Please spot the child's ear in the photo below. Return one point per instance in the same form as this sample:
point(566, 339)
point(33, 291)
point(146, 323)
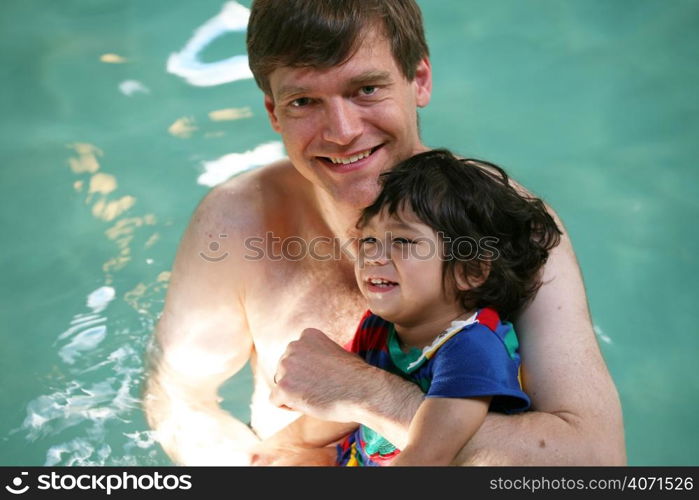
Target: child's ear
point(465, 280)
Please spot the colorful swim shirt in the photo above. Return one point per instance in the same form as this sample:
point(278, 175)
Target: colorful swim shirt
point(472, 358)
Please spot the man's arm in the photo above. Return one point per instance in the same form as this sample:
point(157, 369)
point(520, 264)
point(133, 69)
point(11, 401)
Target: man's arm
point(577, 417)
point(306, 441)
point(201, 340)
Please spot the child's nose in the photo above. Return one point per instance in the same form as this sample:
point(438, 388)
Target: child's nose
point(377, 254)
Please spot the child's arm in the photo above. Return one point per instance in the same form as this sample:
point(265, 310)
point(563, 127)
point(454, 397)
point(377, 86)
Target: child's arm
point(440, 429)
point(303, 442)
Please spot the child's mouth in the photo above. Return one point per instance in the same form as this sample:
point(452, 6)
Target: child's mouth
point(380, 285)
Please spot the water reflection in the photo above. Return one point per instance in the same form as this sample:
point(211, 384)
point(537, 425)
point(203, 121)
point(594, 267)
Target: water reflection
point(101, 184)
point(186, 63)
point(220, 170)
point(112, 59)
point(88, 404)
point(86, 159)
point(97, 387)
point(89, 411)
point(183, 127)
point(145, 295)
point(230, 114)
point(131, 87)
point(186, 126)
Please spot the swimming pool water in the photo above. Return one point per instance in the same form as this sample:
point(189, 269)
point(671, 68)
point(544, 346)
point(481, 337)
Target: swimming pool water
point(118, 116)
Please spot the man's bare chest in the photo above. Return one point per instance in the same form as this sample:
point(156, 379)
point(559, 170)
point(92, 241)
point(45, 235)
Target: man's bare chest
point(286, 298)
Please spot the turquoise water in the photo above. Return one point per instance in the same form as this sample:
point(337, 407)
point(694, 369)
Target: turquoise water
point(105, 153)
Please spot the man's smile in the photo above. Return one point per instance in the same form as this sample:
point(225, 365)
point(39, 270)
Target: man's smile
point(348, 162)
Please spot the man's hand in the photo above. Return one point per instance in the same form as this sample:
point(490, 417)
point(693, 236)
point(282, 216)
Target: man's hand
point(319, 378)
point(306, 441)
point(316, 376)
point(266, 455)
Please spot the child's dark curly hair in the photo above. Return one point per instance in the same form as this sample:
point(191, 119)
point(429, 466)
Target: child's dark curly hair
point(461, 198)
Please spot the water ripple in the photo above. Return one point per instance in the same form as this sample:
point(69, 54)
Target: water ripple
point(98, 394)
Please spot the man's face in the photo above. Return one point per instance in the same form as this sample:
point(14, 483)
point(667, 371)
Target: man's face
point(345, 125)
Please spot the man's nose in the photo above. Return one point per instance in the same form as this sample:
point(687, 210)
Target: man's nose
point(343, 122)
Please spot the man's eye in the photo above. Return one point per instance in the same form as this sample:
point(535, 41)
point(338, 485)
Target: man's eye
point(368, 90)
point(300, 102)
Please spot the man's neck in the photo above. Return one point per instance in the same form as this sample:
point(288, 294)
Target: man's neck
point(340, 219)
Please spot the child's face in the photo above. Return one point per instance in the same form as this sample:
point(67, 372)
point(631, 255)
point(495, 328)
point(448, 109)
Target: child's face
point(399, 270)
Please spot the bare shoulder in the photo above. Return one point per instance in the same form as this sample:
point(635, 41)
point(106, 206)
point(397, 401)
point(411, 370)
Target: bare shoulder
point(209, 273)
point(243, 205)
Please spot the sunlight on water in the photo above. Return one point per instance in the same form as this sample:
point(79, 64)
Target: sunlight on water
point(183, 127)
point(86, 160)
point(97, 389)
point(89, 406)
point(113, 59)
point(132, 87)
point(101, 388)
point(186, 63)
point(602, 336)
point(84, 341)
point(230, 114)
point(218, 171)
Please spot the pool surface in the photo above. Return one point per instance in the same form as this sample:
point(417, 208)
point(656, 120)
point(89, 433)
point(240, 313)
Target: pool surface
point(119, 115)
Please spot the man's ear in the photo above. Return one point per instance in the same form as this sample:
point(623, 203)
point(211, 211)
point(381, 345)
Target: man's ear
point(423, 82)
point(465, 282)
point(271, 113)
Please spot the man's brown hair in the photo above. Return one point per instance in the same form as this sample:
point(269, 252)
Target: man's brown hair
point(325, 33)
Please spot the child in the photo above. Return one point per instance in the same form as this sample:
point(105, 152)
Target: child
point(448, 251)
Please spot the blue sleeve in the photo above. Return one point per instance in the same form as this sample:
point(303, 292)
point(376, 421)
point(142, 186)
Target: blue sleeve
point(475, 363)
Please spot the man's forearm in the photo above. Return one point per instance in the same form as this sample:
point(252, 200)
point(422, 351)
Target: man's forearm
point(531, 438)
point(537, 438)
point(195, 430)
point(581, 423)
point(388, 404)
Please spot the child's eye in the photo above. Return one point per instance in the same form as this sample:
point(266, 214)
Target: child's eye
point(368, 239)
point(402, 241)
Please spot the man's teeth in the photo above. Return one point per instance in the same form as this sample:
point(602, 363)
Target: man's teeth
point(351, 159)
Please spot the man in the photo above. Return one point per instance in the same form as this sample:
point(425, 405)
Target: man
point(342, 84)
